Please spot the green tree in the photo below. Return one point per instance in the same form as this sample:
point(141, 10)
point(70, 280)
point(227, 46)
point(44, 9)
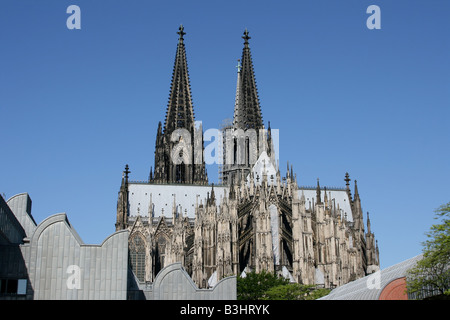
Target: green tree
point(431, 275)
point(291, 291)
point(294, 291)
point(254, 285)
point(318, 293)
point(268, 286)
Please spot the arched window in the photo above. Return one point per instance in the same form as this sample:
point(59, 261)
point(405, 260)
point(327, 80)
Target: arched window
point(247, 151)
point(137, 256)
point(235, 151)
point(160, 253)
point(180, 172)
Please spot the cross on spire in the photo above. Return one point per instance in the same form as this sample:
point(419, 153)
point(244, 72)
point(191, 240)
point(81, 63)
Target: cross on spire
point(246, 37)
point(127, 171)
point(181, 32)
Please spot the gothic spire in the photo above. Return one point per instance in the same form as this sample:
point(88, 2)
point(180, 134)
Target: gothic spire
point(122, 202)
point(318, 200)
point(126, 172)
point(238, 101)
point(180, 115)
point(180, 110)
point(347, 181)
point(212, 199)
point(247, 111)
point(347, 186)
point(356, 190)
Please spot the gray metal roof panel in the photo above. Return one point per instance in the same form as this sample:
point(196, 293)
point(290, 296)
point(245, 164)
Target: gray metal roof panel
point(371, 286)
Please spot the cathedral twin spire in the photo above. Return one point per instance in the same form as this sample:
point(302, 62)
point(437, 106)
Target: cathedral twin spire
point(180, 115)
point(247, 111)
point(175, 157)
point(180, 110)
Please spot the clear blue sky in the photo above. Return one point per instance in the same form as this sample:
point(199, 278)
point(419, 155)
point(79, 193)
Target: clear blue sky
point(77, 105)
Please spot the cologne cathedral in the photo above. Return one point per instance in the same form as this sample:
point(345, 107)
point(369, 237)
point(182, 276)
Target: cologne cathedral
point(255, 219)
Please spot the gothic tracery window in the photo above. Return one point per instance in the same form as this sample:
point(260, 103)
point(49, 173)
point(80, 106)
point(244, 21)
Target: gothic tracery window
point(137, 256)
point(160, 253)
point(180, 171)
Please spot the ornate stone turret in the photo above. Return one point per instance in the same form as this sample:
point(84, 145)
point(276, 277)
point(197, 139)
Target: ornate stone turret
point(122, 202)
point(318, 197)
point(372, 254)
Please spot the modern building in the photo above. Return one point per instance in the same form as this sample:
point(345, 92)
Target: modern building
point(49, 261)
point(14, 279)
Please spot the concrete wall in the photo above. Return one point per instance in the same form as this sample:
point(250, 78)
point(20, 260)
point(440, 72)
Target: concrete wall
point(20, 204)
point(11, 231)
point(60, 266)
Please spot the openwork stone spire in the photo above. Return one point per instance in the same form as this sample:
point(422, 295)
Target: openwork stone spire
point(176, 158)
point(246, 139)
point(247, 111)
point(180, 110)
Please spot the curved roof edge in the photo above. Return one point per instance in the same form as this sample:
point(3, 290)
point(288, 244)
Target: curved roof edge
point(371, 286)
point(62, 217)
point(58, 217)
point(16, 195)
point(108, 238)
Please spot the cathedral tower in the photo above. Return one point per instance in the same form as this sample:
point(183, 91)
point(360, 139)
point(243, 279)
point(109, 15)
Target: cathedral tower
point(246, 138)
point(179, 145)
point(247, 111)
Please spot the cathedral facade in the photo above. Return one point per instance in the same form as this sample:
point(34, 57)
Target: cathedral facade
point(256, 219)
